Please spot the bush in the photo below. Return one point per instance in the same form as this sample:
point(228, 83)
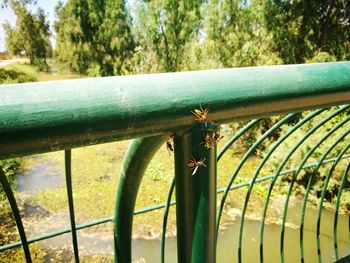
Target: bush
point(11, 76)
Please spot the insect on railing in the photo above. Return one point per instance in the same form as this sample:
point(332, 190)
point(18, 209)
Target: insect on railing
point(184, 111)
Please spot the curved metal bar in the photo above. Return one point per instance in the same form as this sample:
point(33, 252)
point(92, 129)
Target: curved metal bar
point(243, 160)
point(165, 220)
point(335, 226)
point(235, 137)
point(279, 170)
point(15, 211)
point(257, 171)
point(271, 176)
point(261, 164)
point(135, 162)
point(295, 176)
point(68, 168)
point(308, 188)
point(319, 213)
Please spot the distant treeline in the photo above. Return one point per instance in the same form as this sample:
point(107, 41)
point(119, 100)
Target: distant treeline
point(116, 37)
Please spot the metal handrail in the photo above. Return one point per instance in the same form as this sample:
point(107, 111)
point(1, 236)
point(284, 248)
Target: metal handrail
point(57, 115)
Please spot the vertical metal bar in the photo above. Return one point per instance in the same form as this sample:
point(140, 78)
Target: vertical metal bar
point(195, 196)
point(15, 211)
point(165, 221)
point(68, 167)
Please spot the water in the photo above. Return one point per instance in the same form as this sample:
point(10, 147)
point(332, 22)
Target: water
point(39, 177)
point(148, 249)
point(227, 242)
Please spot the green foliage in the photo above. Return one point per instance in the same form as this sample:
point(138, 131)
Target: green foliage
point(16, 255)
point(310, 177)
point(236, 34)
point(30, 36)
point(19, 73)
point(11, 76)
point(5, 3)
point(10, 166)
point(94, 37)
point(321, 57)
point(302, 28)
point(168, 35)
point(165, 28)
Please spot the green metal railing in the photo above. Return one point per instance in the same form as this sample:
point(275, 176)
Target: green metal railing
point(63, 115)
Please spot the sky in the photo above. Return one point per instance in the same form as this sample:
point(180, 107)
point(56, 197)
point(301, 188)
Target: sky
point(7, 14)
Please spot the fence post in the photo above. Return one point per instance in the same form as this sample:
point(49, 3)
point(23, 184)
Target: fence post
point(195, 195)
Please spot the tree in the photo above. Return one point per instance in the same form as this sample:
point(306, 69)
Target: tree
point(236, 34)
point(303, 28)
point(165, 28)
point(94, 36)
point(30, 35)
point(5, 3)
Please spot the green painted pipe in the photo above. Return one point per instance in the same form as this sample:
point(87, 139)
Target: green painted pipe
point(69, 188)
point(56, 115)
point(138, 156)
point(195, 196)
point(165, 221)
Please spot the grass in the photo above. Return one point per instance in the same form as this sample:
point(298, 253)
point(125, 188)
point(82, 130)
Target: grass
point(47, 76)
point(23, 72)
point(95, 175)
point(17, 73)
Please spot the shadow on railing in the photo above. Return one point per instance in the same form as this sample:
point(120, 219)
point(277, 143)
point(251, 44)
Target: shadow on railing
point(301, 157)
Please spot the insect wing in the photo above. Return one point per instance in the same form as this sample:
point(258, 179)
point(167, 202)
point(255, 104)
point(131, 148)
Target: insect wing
point(195, 170)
